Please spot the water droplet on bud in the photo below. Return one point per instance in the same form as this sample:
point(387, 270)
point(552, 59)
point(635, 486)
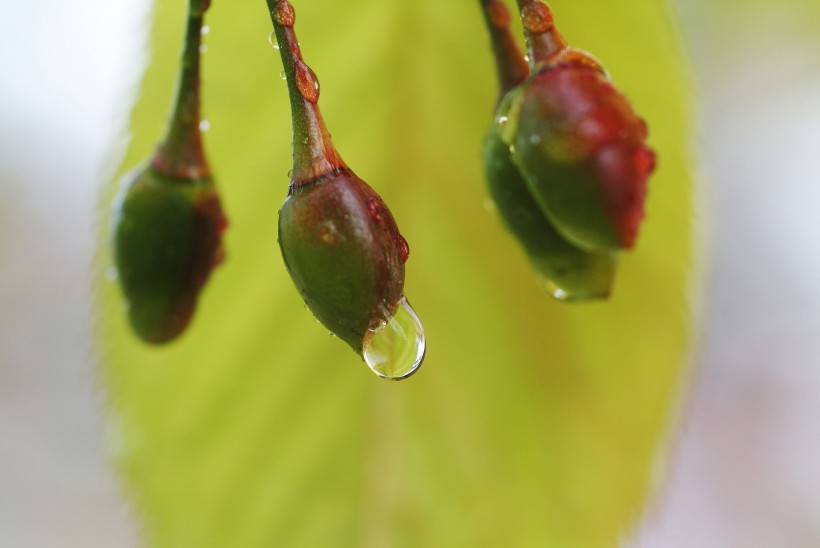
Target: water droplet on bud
point(306, 82)
point(396, 350)
point(404, 247)
point(537, 17)
point(284, 14)
point(644, 161)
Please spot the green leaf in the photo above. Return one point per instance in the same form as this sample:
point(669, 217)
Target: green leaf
point(531, 422)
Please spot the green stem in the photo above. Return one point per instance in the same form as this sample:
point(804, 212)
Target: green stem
point(314, 155)
point(510, 63)
point(543, 39)
point(181, 153)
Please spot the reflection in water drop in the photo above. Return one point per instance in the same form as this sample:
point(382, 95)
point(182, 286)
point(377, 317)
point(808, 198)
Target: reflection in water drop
point(272, 39)
point(395, 351)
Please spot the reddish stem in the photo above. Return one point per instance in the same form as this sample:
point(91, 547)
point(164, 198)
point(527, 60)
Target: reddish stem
point(181, 153)
point(509, 61)
point(314, 155)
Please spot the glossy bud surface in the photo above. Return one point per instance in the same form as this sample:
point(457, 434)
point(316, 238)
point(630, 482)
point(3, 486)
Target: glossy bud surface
point(583, 153)
point(344, 252)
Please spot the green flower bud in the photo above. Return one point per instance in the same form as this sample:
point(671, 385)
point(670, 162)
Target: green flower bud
point(568, 272)
point(344, 253)
point(167, 240)
point(582, 150)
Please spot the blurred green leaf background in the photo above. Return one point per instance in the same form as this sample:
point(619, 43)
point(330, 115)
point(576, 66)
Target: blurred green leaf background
point(531, 422)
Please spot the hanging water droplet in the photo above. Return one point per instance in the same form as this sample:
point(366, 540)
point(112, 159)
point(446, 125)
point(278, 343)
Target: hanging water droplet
point(205, 30)
point(282, 75)
point(272, 40)
point(553, 289)
point(307, 82)
point(284, 14)
point(111, 273)
point(204, 125)
point(203, 48)
point(396, 350)
point(503, 120)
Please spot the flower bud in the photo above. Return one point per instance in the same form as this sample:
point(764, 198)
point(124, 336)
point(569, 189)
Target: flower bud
point(583, 153)
point(344, 252)
point(568, 273)
point(167, 239)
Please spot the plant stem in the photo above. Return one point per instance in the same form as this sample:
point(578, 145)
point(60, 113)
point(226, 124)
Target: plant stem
point(314, 155)
point(543, 39)
point(181, 153)
point(509, 61)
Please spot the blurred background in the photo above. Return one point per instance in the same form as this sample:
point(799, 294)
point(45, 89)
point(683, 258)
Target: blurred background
point(103, 443)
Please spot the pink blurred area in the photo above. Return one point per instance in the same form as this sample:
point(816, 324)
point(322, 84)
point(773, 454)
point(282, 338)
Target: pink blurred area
point(742, 469)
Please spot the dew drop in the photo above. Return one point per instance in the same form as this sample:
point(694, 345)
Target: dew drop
point(537, 17)
point(203, 48)
point(272, 40)
point(282, 75)
point(374, 209)
point(535, 139)
point(284, 14)
point(396, 350)
point(503, 120)
point(204, 125)
point(645, 161)
point(205, 30)
point(306, 82)
point(111, 273)
point(404, 247)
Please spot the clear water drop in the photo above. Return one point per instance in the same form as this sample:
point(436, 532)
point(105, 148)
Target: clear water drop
point(203, 48)
point(306, 82)
point(111, 273)
point(395, 351)
point(204, 125)
point(272, 40)
point(503, 120)
point(282, 75)
point(205, 30)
